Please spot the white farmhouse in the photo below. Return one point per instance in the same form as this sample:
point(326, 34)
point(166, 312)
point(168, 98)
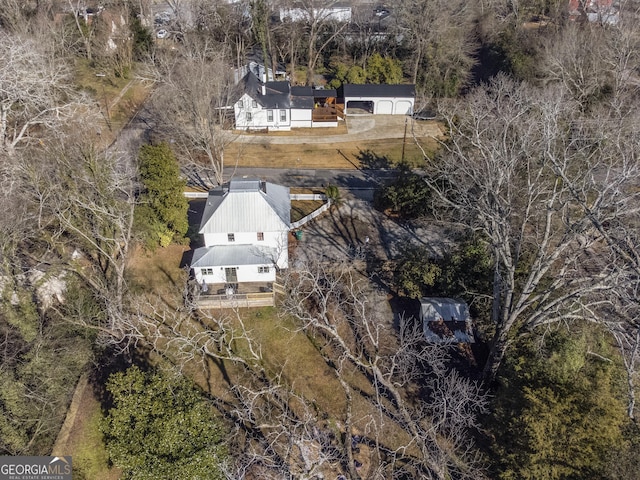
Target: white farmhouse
point(280, 106)
point(245, 228)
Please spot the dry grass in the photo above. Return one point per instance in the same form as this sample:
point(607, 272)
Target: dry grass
point(119, 98)
point(347, 155)
point(159, 271)
point(85, 442)
point(302, 208)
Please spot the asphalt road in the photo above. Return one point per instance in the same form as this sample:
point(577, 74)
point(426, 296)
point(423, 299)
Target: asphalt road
point(350, 179)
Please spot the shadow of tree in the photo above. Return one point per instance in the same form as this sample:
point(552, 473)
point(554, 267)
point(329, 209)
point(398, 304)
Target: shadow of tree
point(372, 161)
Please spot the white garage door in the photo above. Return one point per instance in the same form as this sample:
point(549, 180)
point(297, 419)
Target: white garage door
point(403, 107)
point(384, 107)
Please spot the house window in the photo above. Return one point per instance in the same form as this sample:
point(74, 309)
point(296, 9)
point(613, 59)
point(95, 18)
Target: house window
point(254, 104)
point(283, 115)
point(207, 271)
point(248, 116)
point(269, 115)
point(263, 269)
point(231, 237)
point(240, 105)
point(260, 236)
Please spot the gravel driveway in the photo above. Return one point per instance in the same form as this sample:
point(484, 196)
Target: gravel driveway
point(341, 234)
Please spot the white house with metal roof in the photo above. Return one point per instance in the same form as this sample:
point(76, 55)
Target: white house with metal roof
point(245, 228)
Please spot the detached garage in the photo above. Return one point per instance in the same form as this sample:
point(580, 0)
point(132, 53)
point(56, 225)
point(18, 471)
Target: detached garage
point(378, 99)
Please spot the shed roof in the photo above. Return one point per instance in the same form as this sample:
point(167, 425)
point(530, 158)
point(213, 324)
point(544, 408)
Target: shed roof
point(446, 320)
point(247, 205)
point(376, 91)
point(447, 309)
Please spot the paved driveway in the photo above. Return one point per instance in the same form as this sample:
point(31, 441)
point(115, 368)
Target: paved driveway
point(359, 127)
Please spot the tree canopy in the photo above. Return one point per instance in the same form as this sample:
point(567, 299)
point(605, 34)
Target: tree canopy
point(161, 214)
point(161, 427)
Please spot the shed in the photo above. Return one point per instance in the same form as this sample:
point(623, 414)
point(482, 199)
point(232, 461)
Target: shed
point(446, 320)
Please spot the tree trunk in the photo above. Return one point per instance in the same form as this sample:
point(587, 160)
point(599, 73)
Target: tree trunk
point(496, 354)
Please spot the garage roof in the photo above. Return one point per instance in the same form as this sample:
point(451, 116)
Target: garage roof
point(377, 91)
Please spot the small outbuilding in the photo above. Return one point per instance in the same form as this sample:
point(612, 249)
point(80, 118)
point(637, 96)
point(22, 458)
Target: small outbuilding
point(446, 320)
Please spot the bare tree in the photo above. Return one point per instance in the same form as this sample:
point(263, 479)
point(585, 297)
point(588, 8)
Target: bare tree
point(35, 94)
point(194, 100)
point(320, 27)
point(440, 35)
point(337, 306)
point(539, 179)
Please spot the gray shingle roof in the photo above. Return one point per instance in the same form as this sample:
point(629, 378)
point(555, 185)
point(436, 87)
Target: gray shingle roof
point(276, 93)
point(351, 90)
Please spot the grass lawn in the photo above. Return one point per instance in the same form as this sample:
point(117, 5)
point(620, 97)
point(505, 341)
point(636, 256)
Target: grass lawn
point(348, 155)
point(302, 208)
point(158, 271)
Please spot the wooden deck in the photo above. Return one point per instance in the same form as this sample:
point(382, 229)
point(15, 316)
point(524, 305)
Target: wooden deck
point(328, 113)
point(242, 295)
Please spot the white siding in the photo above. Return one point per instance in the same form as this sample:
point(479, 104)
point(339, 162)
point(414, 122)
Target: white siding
point(335, 13)
point(277, 240)
point(383, 107)
point(301, 118)
point(403, 107)
point(386, 105)
point(244, 273)
point(259, 116)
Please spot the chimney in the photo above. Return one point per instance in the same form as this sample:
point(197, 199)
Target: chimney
point(264, 89)
point(263, 186)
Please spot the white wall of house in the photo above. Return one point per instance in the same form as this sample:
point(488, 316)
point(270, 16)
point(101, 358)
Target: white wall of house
point(244, 273)
point(386, 105)
point(250, 114)
point(335, 13)
point(301, 117)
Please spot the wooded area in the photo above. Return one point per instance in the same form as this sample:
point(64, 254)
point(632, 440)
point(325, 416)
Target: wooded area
point(536, 180)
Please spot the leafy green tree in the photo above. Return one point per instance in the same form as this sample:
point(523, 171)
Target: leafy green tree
point(161, 427)
point(343, 73)
point(559, 412)
point(161, 215)
point(416, 273)
point(383, 70)
point(467, 273)
point(41, 358)
point(408, 196)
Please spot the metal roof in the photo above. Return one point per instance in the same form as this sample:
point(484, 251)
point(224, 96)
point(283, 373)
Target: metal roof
point(447, 309)
point(247, 205)
point(371, 90)
point(233, 255)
